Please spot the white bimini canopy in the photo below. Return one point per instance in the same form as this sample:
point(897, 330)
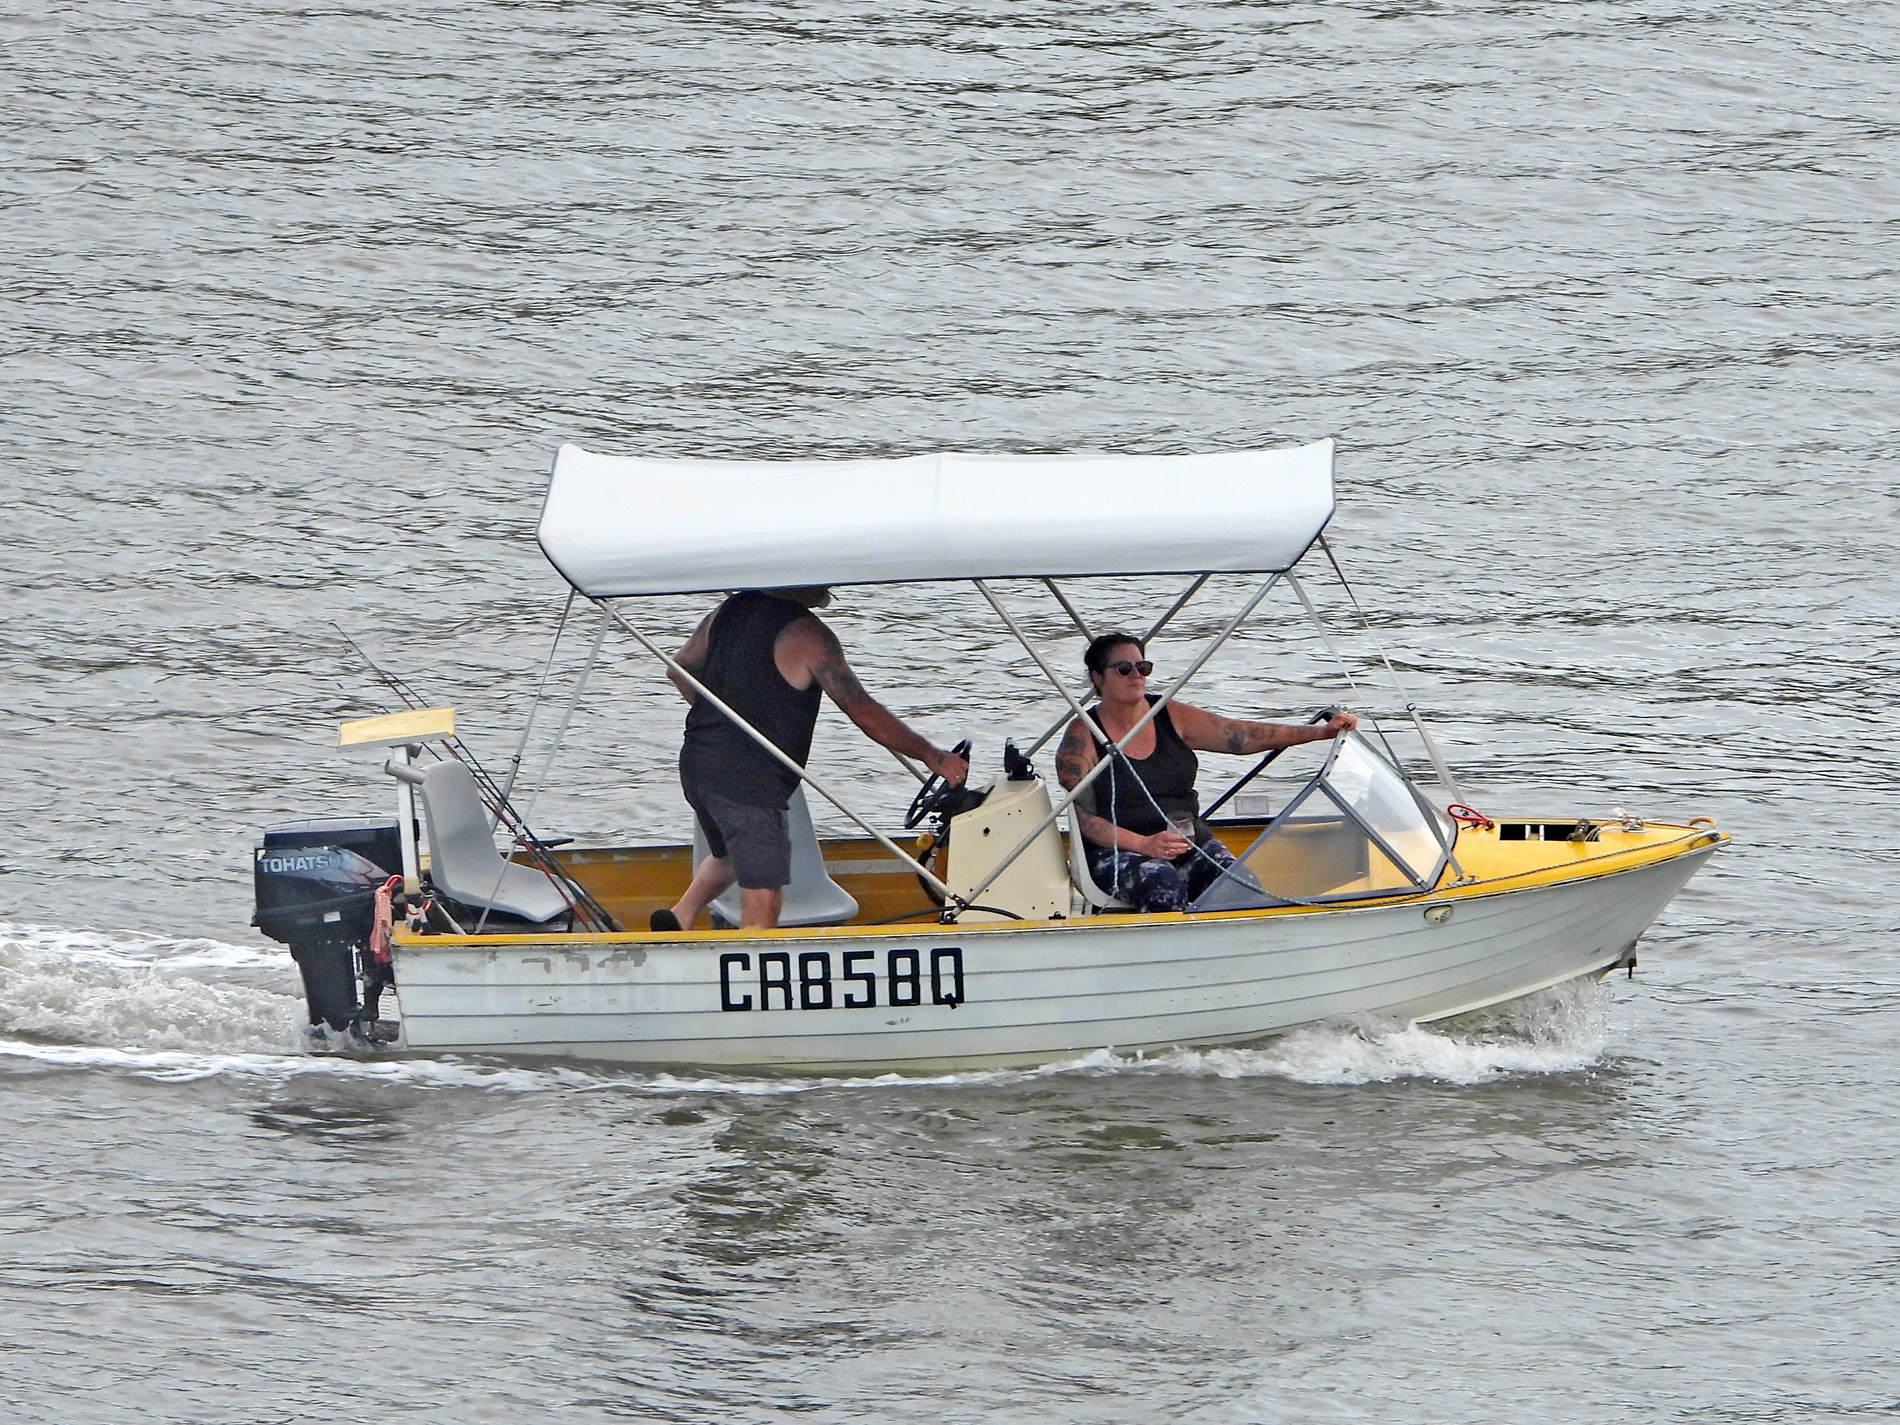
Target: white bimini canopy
point(617, 526)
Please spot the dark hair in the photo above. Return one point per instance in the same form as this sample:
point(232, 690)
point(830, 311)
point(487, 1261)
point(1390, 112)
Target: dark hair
point(1096, 659)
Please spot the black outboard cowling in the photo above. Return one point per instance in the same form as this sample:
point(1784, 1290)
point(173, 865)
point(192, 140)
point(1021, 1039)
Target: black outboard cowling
point(316, 885)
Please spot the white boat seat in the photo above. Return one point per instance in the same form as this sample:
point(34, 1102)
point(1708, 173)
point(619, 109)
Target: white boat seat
point(812, 898)
point(1093, 896)
point(463, 861)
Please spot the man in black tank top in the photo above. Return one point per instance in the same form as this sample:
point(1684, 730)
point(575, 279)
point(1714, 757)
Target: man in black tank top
point(766, 656)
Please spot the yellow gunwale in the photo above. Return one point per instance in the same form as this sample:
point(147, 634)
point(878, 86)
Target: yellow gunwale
point(1582, 867)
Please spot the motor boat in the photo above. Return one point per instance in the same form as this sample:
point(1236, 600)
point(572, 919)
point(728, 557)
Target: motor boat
point(975, 935)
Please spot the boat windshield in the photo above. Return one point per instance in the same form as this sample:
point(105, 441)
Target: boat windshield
point(1357, 829)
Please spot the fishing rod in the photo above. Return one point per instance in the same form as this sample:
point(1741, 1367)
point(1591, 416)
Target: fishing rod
point(494, 798)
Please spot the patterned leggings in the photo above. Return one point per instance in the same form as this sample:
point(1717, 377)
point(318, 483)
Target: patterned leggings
point(1151, 884)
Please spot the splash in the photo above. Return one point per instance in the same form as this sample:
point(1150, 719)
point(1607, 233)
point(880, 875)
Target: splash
point(136, 948)
point(142, 992)
point(1559, 1031)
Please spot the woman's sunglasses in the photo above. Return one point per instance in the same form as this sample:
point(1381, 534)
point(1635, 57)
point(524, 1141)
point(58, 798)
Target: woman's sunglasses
point(1144, 667)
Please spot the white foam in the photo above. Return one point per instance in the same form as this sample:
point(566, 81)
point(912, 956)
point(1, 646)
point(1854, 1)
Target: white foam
point(182, 1066)
point(80, 988)
point(1559, 1031)
point(134, 947)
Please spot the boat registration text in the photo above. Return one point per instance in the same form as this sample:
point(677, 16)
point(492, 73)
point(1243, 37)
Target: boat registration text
point(853, 979)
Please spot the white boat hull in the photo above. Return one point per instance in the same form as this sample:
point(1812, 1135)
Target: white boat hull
point(1022, 994)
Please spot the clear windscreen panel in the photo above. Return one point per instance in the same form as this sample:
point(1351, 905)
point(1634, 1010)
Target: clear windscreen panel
point(1355, 830)
point(1375, 792)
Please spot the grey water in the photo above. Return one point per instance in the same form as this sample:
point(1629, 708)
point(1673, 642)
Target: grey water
point(1598, 299)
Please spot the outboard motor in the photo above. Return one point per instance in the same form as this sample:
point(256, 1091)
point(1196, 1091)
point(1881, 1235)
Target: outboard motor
point(316, 892)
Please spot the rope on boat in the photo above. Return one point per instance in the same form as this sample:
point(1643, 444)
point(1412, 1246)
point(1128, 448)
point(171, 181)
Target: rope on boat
point(1221, 871)
point(1431, 747)
point(571, 890)
point(567, 714)
point(540, 692)
point(1345, 669)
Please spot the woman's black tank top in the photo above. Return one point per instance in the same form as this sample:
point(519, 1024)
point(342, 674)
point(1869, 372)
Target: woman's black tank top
point(717, 756)
point(1167, 773)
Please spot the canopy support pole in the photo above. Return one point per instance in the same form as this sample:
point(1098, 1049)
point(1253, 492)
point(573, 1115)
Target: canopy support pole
point(773, 750)
point(1047, 672)
point(1149, 637)
point(567, 714)
point(1179, 604)
point(1067, 607)
point(1345, 670)
point(1116, 748)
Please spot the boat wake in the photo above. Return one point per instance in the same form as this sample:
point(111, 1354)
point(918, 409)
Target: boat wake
point(175, 1009)
point(74, 988)
point(1559, 1031)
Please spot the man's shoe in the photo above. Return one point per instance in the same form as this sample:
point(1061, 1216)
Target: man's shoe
point(663, 920)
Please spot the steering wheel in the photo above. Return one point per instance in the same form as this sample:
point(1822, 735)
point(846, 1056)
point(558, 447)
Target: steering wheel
point(935, 792)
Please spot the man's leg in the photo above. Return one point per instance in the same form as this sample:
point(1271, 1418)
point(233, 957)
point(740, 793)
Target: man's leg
point(710, 877)
point(761, 859)
point(761, 907)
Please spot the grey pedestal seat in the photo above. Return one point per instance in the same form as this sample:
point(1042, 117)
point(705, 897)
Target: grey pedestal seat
point(463, 861)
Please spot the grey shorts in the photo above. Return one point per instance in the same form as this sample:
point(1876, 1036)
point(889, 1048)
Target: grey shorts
point(754, 837)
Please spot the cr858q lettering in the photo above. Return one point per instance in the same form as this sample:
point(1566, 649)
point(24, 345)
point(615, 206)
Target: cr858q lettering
point(848, 979)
